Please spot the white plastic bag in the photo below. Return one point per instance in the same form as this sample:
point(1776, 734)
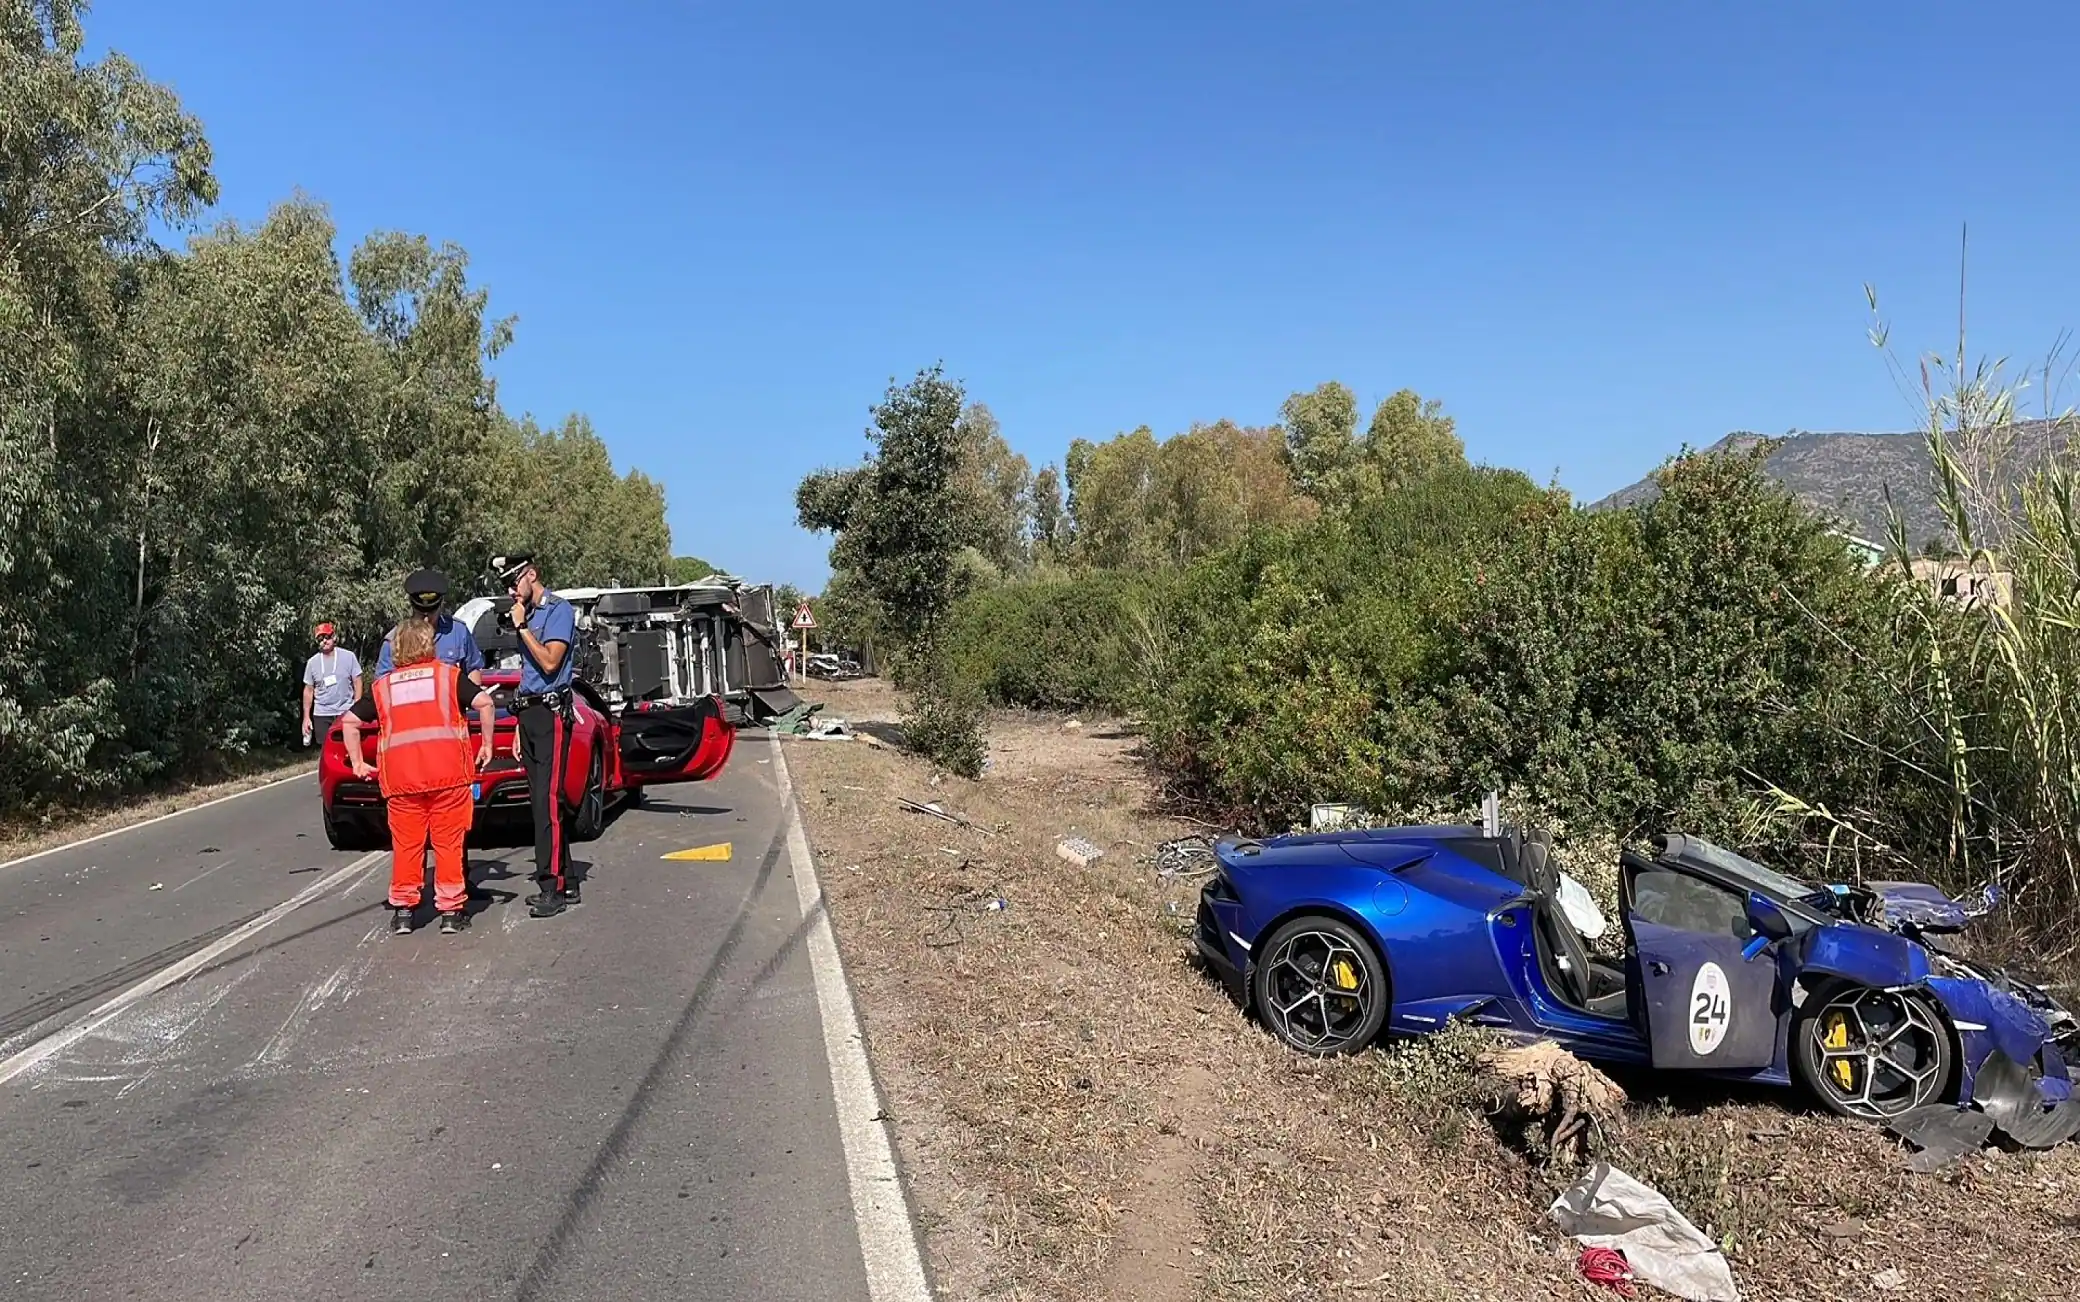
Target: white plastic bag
point(1607, 1208)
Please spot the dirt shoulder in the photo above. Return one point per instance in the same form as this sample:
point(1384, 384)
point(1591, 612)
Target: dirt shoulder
point(28, 835)
point(1083, 1114)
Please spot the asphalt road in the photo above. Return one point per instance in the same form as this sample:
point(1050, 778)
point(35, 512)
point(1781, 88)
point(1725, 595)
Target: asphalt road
point(630, 1101)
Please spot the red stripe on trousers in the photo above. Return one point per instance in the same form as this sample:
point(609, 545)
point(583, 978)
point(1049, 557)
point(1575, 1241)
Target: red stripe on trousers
point(556, 805)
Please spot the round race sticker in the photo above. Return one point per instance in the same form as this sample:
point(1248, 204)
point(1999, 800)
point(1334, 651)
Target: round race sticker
point(1710, 1009)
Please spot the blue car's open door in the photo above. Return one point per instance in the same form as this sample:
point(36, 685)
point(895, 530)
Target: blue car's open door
point(1704, 1003)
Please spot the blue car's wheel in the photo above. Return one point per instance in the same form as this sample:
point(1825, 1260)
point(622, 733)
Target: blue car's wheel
point(1872, 1054)
point(1320, 986)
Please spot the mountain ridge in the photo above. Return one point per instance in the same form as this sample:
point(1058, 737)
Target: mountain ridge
point(1845, 475)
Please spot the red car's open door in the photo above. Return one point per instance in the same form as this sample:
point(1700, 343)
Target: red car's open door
point(681, 743)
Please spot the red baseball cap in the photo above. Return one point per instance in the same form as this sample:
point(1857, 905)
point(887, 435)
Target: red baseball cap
point(324, 630)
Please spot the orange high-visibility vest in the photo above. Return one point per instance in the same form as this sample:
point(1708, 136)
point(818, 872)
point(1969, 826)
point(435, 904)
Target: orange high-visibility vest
point(423, 744)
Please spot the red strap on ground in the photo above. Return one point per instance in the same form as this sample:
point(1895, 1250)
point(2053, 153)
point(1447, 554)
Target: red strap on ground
point(1606, 1266)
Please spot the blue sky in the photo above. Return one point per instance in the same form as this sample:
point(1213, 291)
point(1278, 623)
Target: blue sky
point(1595, 231)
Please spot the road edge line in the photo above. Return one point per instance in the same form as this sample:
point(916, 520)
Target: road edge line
point(156, 818)
point(888, 1239)
point(59, 1040)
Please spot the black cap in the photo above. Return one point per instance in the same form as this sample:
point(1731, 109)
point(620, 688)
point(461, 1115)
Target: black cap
point(426, 589)
point(510, 567)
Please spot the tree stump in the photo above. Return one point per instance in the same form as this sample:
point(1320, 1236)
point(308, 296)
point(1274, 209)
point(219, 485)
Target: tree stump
point(1548, 1094)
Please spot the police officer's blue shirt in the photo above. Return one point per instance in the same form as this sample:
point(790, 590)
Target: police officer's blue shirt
point(553, 621)
point(452, 644)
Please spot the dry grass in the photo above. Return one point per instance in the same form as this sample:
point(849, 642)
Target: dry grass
point(1084, 1115)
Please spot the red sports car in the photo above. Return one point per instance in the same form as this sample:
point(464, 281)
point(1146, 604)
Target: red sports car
point(611, 756)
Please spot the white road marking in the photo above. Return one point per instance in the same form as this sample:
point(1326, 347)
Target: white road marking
point(166, 976)
point(132, 827)
point(148, 1037)
point(355, 885)
point(887, 1236)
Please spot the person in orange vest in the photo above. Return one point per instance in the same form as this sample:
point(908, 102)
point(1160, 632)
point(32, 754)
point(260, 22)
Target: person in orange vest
point(424, 768)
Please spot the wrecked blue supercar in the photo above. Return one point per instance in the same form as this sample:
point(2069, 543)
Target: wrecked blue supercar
point(1730, 969)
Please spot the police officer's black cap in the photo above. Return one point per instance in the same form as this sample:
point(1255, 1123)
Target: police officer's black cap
point(511, 566)
point(426, 589)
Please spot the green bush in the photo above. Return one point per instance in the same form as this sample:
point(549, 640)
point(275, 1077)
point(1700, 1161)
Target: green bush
point(1618, 671)
point(944, 723)
point(1307, 659)
point(1064, 641)
point(1630, 671)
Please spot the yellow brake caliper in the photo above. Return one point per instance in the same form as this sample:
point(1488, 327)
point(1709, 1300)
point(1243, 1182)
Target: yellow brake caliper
point(1344, 975)
point(1837, 1037)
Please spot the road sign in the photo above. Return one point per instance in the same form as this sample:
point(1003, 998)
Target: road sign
point(802, 617)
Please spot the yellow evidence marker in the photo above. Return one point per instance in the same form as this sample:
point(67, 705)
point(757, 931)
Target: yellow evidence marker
point(717, 853)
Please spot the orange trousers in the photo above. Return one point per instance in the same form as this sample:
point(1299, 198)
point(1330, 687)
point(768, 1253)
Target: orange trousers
point(444, 817)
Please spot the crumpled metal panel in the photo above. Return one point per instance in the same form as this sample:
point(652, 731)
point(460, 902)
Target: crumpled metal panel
point(1942, 1133)
point(2008, 1094)
point(1988, 1021)
point(1869, 958)
point(1917, 905)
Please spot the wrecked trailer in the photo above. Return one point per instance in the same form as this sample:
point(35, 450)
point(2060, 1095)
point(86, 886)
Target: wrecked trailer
point(666, 645)
point(1729, 969)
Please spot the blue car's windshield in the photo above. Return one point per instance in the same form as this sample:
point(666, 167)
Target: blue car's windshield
point(1769, 880)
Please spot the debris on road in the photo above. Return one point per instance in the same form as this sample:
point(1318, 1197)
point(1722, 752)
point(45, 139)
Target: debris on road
point(1334, 818)
point(1543, 1085)
point(1607, 1208)
point(2005, 1099)
point(717, 853)
point(795, 721)
point(1078, 851)
point(157, 886)
point(1940, 1135)
point(936, 810)
point(827, 730)
point(2006, 1091)
point(1185, 858)
point(1607, 1268)
point(948, 931)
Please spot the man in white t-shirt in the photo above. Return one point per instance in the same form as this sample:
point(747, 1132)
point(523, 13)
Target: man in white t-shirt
point(331, 685)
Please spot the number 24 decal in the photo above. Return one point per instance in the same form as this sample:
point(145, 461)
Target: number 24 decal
point(1710, 1009)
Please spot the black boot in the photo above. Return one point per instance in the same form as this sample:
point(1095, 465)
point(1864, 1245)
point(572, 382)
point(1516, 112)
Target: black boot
point(454, 922)
point(547, 904)
point(401, 921)
point(570, 895)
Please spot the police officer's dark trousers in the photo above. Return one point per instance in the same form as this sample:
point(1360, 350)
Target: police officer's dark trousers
point(545, 749)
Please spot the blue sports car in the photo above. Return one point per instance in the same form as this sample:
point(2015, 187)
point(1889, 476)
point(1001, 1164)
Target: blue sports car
point(1730, 968)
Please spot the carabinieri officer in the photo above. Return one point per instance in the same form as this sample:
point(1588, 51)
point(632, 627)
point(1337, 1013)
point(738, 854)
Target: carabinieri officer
point(453, 643)
point(546, 626)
